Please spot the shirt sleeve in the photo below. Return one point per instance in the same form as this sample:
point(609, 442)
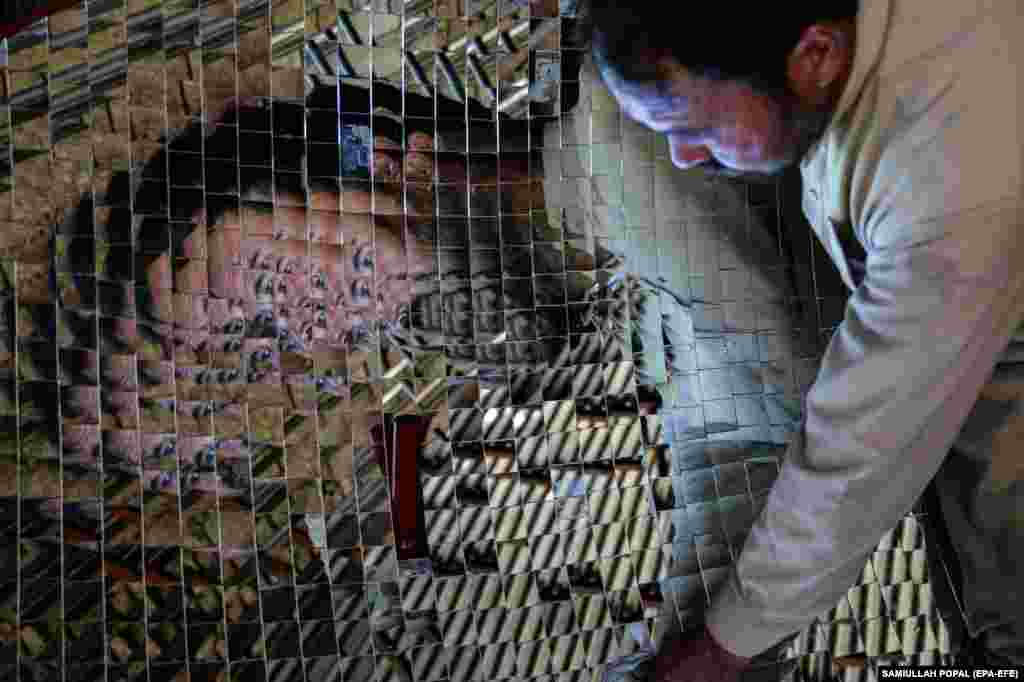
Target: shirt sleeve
point(920, 338)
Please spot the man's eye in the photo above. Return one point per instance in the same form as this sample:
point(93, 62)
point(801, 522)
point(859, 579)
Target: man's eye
point(291, 343)
point(207, 456)
point(260, 260)
point(235, 326)
point(165, 449)
point(150, 375)
point(264, 284)
point(163, 482)
point(362, 260)
point(360, 292)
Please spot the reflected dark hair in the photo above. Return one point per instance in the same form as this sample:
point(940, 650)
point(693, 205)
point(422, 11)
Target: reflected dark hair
point(721, 41)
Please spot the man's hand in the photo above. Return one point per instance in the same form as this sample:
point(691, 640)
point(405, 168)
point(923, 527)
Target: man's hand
point(698, 658)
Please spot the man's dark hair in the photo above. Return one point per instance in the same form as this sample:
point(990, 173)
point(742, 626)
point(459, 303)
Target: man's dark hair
point(722, 41)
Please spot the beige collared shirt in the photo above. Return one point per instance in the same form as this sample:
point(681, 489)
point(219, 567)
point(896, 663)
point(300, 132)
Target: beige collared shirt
point(922, 167)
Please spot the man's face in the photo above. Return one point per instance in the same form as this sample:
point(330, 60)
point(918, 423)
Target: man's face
point(729, 128)
point(725, 128)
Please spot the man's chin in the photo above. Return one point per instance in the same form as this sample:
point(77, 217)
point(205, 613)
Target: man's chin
point(767, 172)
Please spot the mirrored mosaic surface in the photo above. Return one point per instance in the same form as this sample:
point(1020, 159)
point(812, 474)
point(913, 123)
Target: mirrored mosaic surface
point(254, 254)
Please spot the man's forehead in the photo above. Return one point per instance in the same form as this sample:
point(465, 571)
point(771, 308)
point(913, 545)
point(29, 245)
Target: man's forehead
point(646, 103)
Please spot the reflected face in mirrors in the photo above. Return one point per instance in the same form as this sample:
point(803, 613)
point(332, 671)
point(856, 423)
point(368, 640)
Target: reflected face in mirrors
point(254, 294)
point(306, 273)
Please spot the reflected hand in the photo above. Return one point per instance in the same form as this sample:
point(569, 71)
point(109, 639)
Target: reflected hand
point(698, 658)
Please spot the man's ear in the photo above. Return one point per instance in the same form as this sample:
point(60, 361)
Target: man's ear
point(820, 57)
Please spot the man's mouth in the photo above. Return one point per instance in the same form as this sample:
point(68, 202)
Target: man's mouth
point(713, 167)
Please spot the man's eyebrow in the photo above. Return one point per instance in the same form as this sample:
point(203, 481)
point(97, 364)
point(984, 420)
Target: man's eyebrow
point(682, 130)
point(666, 118)
point(676, 130)
point(673, 130)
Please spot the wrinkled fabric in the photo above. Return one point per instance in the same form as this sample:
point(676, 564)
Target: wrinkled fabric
point(920, 178)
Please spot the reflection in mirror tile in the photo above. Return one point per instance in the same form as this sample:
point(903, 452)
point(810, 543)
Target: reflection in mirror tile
point(369, 340)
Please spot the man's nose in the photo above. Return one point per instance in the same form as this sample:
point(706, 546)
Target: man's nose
point(686, 156)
